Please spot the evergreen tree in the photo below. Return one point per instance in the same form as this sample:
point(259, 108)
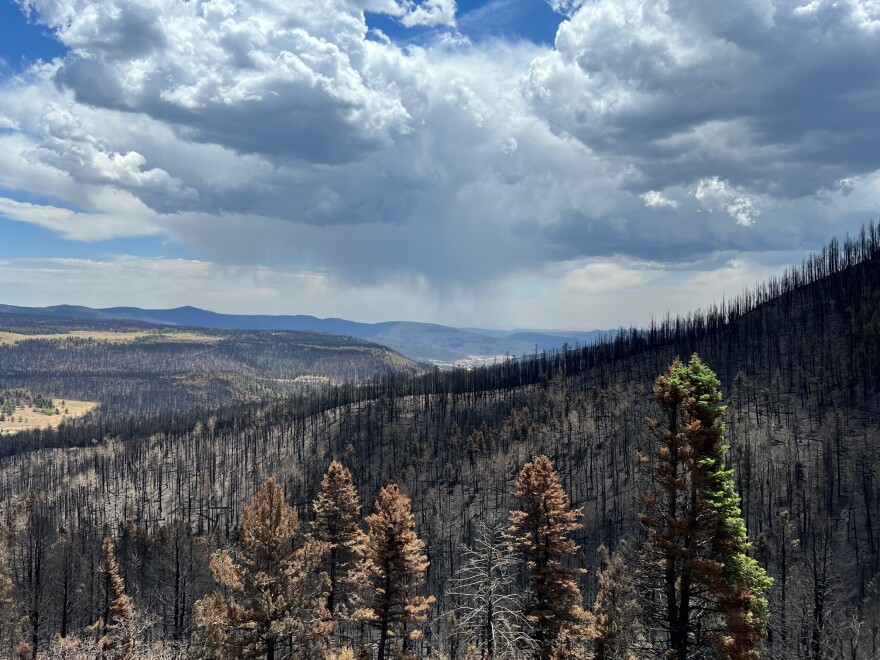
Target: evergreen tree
point(613, 625)
point(337, 523)
point(541, 532)
point(276, 592)
point(392, 570)
point(116, 627)
point(712, 602)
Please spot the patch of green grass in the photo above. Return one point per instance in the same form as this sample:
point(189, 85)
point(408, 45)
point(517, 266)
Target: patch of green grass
point(47, 411)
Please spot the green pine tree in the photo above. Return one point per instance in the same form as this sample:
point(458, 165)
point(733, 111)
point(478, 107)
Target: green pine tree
point(712, 593)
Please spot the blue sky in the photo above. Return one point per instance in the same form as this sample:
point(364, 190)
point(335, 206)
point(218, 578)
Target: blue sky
point(22, 42)
point(560, 163)
point(534, 20)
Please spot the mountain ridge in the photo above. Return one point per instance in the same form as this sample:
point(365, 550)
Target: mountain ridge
point(420, 341)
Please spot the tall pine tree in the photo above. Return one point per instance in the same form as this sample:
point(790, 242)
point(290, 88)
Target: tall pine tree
point(274, 597)
point(115, 629)
point(614, 631)
point(710, 599)
point(541, 532)
point(392, 571)
point(337, 523)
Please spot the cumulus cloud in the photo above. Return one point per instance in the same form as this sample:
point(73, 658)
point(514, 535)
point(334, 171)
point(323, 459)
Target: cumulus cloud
point(430, 13)
point(656, 199)
point(67, 147)
point(210, 69)
point(766, 93)
point(566, 7)
point(287, 134)
point(717, 195)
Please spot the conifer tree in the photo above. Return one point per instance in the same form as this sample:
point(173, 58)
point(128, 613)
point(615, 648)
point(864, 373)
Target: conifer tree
point(541, 532)
point(711, 591)
point(275, 605)
point(337, 523)
point(392, 570)
point(116, 627)
point(613, 627)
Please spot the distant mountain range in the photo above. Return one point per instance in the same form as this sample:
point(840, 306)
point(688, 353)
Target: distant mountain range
point(419, 341)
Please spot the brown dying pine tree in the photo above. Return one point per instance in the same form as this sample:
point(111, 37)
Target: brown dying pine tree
point(541, 532)
point(275, 591)
point(338, 524)
point(709, 593)
point(115, 628)
point(613, 626)
point(391, 572)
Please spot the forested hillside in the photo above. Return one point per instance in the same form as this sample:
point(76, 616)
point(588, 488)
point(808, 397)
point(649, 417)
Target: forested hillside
point(420, 341)
point(133, 367)
point(799, 367)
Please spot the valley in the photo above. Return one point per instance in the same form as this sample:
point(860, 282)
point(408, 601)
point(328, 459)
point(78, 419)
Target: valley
point(131, 366)
point(427, 342)
point(170, 470)
point(439, 330)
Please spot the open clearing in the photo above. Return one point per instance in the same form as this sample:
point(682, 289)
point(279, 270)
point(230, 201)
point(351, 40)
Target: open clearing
point(111, 336)
point(31, 419)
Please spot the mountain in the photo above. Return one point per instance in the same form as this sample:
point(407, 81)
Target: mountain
point(419, 341)
point(127, 365)
point(798, 360)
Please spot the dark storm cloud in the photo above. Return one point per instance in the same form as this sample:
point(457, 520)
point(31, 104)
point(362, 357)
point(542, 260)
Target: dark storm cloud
point(663, 131)
point(779, 97)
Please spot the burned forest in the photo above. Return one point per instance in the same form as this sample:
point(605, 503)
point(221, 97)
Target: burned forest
point(549, 506)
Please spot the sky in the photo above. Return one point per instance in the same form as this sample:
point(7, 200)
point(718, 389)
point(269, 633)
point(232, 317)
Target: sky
point(497, 163)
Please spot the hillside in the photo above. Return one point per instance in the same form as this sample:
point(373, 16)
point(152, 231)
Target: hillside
point(799, 362)
point(420, 341)
point(134, 366)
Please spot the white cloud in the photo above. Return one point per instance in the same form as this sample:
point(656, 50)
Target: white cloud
point(602, 276)
point(594, 294)
point(77, 226)
point(717, 195)
point(285, 133)
point(864, 14)
point(655, 199)
point(68, 147)
point(210, 69)
point(161, 283)
point(566, 7)
point(430, 13)
point(750, 90)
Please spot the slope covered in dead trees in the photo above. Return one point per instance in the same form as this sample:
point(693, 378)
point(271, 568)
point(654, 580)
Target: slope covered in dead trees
point(798, 366)
point(136, 368)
